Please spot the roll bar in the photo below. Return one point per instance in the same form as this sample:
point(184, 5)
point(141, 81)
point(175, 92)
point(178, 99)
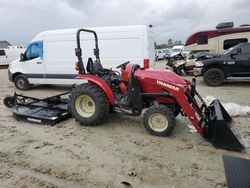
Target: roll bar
point(78, 50)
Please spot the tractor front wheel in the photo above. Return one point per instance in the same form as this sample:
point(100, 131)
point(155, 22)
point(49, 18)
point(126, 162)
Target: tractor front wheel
point(159, 120)
point(89, 104)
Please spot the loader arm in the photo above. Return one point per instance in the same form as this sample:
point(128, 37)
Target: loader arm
point(188, 104)
point(212, 122)
point(190, 111)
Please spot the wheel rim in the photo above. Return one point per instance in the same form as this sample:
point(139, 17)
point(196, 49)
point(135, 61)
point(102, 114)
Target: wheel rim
point(158, 122)
point(214, 77)
point(20, 83)
point(85, 106)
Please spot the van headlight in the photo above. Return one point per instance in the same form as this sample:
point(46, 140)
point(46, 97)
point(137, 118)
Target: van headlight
point(199, 64)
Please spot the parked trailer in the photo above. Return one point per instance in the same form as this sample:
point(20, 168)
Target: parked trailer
point(50, 58)
point(218, 40)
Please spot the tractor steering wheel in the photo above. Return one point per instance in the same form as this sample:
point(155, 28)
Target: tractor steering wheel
point(114, 75)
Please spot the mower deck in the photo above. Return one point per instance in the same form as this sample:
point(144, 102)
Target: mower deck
point(48, 111)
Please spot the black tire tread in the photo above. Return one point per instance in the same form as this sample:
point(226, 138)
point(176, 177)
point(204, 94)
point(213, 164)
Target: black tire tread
point(27, 84)
point(206, 74)
point(101, 102)
point(9, 101)
point(160, 109)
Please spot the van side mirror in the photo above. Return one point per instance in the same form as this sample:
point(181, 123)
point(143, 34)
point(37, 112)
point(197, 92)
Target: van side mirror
point(21, 57)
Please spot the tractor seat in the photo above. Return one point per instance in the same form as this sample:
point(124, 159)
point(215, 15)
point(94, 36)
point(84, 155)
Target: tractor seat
point(94, 68)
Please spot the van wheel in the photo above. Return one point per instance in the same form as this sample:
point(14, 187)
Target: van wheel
point(214, 77)
point(21, 82)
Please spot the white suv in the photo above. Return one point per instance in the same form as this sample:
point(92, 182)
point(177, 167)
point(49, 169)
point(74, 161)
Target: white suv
point(162, 54)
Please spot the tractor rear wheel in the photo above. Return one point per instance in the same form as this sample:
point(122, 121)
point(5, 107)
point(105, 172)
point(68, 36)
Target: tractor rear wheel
point(89, 104)
point(159, 120)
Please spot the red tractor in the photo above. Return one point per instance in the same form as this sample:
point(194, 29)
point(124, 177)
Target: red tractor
point(162, 93)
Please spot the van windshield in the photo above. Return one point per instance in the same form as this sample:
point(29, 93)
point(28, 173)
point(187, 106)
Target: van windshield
point(34, 50)
point(165, 51)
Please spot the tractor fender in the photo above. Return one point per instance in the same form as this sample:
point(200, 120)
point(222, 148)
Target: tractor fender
point(102, 84)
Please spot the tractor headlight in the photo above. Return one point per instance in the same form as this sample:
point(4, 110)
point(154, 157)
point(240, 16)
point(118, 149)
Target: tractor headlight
point(199, 64)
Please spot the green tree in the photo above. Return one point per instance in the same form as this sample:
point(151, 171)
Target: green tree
point(170, 42)
point(160, 46)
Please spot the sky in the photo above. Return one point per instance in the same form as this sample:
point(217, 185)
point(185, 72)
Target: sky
point(21, 20)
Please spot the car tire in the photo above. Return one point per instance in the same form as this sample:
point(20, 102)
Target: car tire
point(159, 120)
point(214, 77)
point(21, 82)
point(89, 104)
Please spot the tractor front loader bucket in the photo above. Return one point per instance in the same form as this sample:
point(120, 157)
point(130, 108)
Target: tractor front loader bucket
point(220, 128)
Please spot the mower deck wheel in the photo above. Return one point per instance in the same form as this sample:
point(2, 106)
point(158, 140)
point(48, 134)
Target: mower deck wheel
point(9, 101)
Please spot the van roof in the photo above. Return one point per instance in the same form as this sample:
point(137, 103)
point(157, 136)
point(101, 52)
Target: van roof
point(39, 36)
point(4, 44)
point(178, 46)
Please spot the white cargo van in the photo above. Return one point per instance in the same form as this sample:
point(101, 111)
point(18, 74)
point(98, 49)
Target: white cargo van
point(50, 56)
point(9, 54)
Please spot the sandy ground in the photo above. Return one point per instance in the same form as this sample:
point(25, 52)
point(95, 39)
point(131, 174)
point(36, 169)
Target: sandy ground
point(115, 154)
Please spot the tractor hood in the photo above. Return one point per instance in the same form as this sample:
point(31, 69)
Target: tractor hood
point(166, 76)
